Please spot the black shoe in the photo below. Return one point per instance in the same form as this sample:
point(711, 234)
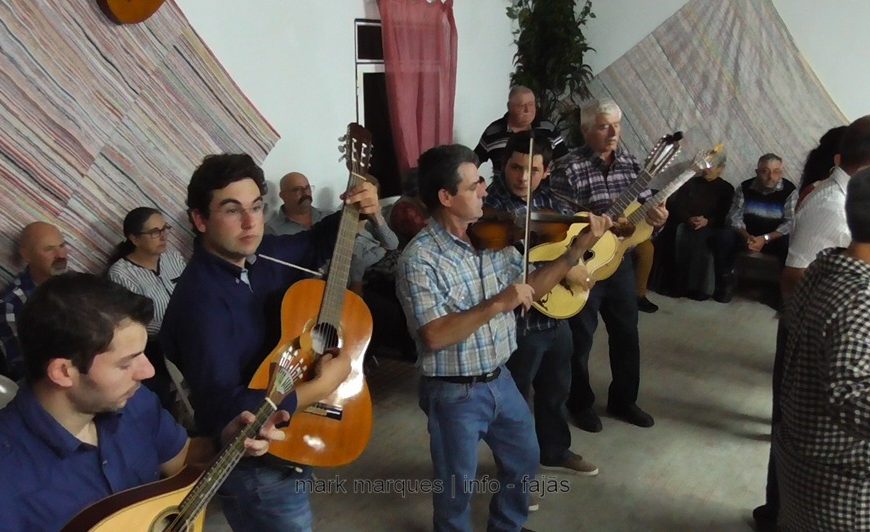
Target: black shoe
point(645, 305)
point(632, 414)
point(697, 296)
point(765, 518)
point(587, 420)
point(725, 288)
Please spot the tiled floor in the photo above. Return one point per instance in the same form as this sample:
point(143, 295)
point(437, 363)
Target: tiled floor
point(706, 379)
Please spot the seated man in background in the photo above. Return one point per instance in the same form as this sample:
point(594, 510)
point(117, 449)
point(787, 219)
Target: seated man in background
point(521, 116)
point(297, 213)
point(698, 209)
point(761, 216)
point(83, 428)
point(43, 249)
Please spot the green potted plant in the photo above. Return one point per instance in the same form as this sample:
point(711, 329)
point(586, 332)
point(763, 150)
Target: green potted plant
point(550, 58)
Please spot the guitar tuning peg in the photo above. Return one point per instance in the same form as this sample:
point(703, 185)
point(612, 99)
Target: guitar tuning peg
point(342, 138)
point(342, 157)
point(341, 149)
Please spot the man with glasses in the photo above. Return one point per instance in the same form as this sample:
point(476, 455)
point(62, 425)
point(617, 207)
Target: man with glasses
point(762, 215)
point(224, 317)
point(297, 214)
point(43, 249)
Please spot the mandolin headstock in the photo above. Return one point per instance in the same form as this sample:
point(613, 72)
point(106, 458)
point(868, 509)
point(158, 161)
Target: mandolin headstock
point(665, 150)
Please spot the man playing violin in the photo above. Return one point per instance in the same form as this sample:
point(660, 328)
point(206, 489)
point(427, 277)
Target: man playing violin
point(83, 427)
point(459, 303)
point(592, 178)
point(543, 355)
point(224, 318)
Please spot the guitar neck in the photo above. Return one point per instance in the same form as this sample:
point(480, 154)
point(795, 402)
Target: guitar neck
point(659, 197)
point(630, 194)
point(207, 485)
point(339, 266)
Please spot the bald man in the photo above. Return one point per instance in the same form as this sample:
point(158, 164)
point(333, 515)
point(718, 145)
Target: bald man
point(297, 214)
point(43, 249)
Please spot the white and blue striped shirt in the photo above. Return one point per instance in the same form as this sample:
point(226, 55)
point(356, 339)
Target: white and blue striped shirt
point(156, 286)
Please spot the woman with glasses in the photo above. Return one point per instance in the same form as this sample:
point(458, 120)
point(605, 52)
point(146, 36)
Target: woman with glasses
point(143, 264)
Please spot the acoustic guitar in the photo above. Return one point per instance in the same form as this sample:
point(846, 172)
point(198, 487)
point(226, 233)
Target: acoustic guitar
point(316, 316)
point(564, 300)
point(178, 503)
point(129, 11)
point(636, 215)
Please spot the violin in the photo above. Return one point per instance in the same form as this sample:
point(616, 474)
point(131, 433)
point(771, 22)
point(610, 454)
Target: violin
point(496, 229)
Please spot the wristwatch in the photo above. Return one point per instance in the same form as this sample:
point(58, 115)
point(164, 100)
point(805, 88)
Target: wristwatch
point(766, 238)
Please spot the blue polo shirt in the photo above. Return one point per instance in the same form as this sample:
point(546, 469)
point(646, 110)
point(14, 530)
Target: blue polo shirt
point(223, 320)
point(48, 475)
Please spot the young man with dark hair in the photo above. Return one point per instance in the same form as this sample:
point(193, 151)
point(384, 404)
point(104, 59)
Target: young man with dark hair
point(460, 305)
point(821, 440)
point(544, 347)
point(225, 317)
point(83, 428)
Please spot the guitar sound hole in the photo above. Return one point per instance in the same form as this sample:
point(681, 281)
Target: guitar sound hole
point(164, 521)
point(325, 336)
point(588, 255)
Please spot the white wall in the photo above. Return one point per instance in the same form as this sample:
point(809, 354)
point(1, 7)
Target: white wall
point(294, 59)
point(832, 37)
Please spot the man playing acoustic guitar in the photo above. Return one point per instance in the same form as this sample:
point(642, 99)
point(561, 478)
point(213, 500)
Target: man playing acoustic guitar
point(225, 316)
point(83, 427)
point(593, 177)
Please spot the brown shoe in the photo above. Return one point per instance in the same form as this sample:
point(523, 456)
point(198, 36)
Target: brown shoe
point(574, 463)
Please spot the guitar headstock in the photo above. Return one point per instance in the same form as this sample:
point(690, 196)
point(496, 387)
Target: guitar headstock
point(285, 373)
point(356, 148)
point(708, 159)
point(665, 150)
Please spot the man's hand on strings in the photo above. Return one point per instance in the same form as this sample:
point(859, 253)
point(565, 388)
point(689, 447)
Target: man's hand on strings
point(587, 238)
point(515, 295)
point(657, 216)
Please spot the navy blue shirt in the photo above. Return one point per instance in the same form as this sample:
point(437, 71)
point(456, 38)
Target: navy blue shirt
point(49, 475)
point(223, 320)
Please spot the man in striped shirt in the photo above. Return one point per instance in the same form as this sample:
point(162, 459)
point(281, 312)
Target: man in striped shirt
point(43, 249)
point(459, 304)
point(521, 116)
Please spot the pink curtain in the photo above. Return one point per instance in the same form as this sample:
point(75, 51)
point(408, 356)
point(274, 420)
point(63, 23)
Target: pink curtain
point(420, 62)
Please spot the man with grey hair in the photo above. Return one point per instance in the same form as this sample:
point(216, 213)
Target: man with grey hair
point(591, 179)
point(43, 250)
point(521, 116)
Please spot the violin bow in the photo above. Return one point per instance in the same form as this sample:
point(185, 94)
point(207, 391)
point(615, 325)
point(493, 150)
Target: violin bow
point(526, 230)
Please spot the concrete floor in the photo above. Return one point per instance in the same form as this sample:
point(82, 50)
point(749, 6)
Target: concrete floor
point(705, 378)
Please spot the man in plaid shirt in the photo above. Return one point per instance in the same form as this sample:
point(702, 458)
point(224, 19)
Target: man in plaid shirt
point(459, 303)
point(591, 179)
point(822, 442)
point(43, 249)
point(543, 355)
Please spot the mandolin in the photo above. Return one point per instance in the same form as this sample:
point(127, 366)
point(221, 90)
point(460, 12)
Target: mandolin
point(564, 300)
point(178, 503)
point(318, 315)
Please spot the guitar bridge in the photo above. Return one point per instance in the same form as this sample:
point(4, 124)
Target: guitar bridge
point(325, 410)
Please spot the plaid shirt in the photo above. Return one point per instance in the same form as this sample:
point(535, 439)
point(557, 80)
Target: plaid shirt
point(499, 197)
point(439, 274)
point(823, 440)
point(582, 181)
point(12, 301)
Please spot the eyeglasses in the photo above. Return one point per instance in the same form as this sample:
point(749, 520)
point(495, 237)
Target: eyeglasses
point(157, 232)
point(237, 211)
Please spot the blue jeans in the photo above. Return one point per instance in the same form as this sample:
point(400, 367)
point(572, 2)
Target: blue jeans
point(258, 497)
point(543, 361)
point(460, 415)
